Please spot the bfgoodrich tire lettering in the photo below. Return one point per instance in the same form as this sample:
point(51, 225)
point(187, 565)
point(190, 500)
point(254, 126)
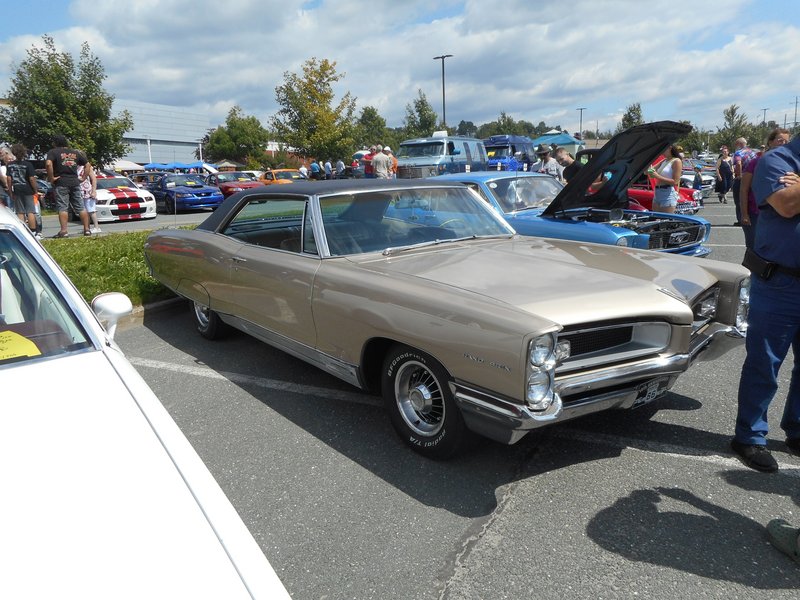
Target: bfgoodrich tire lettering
point(420, 404)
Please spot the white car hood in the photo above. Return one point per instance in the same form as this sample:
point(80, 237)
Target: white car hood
point(93, 505)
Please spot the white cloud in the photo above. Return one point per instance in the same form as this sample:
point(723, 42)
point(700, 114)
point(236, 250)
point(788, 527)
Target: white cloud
point(534, 61)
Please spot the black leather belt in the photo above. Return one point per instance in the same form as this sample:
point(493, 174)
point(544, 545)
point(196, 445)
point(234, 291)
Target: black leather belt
point(765, 269)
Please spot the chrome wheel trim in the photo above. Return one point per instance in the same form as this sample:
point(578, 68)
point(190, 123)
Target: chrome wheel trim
point(202, 314)
point(420, 398)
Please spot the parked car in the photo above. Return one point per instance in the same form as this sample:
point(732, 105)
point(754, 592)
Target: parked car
point(642, 189)
point(537, 204)
point(176, 191)
point(462, 324)
point(230, 182)
point(509, 152)
point(147, 179)
point(707, 174)
point(531, 204)
point(280, 176)
point(103, 496)
point(119, 199)
point(439, 154)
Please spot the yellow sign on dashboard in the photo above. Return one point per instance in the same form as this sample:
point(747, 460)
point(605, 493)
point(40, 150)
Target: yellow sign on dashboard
point(13, 345)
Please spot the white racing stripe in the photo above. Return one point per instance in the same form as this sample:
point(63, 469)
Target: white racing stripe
point(614, 441)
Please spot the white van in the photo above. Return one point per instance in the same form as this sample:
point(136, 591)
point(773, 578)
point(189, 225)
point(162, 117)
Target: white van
point(439, 154)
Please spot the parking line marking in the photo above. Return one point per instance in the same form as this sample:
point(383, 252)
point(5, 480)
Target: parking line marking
point(577, 435)
point(263, 382)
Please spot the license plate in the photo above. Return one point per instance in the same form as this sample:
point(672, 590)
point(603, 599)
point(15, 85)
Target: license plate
point(650, 390)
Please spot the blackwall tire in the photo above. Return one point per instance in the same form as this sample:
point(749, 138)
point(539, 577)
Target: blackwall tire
point(208, 323)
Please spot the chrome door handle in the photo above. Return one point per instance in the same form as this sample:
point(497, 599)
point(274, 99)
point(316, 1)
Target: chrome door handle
point(239, 259)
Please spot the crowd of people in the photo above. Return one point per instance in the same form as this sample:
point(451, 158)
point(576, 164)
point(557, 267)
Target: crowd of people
point(378, 163)
point(68, 171)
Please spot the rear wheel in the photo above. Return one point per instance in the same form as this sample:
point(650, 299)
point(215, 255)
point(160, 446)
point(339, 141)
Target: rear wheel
point(420, 404)
point(209, 325)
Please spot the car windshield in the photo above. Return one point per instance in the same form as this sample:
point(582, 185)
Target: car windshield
point(185, 180)
point(107, 183)
point(35, 319)
point(498, 151)
point(234, 176)
point(421, 149)
point(522, 193)
point(374, 221)
point(289, 175)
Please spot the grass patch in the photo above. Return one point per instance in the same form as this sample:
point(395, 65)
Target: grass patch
point(109, 263)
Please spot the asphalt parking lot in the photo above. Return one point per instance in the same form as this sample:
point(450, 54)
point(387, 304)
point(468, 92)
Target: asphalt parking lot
point(645, 503)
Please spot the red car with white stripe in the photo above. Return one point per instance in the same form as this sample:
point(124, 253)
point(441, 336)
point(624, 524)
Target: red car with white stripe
point(118, 199)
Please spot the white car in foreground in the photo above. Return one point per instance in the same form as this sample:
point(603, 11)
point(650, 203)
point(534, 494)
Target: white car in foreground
point(102, 495)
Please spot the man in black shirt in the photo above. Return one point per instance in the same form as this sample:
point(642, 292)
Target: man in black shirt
point(62, 165)
point(565, 159)
point(22, 177)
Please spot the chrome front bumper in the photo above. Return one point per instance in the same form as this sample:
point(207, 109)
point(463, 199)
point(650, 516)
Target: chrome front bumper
point(621, 386)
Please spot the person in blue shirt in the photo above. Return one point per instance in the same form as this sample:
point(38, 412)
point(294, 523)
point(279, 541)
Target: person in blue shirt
point(774, 313)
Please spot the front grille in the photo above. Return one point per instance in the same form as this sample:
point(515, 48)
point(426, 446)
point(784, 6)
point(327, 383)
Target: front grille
point(603, 345)
point(676, 238)
point(598, 339)
point(404, 172)
point(135, 209)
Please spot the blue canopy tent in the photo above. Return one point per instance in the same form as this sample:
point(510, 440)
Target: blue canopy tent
point(154, 167)
point(560, 139)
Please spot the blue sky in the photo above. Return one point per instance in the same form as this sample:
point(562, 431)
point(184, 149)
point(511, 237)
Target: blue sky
point(533, 60)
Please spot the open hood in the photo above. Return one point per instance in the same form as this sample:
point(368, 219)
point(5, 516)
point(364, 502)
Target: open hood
point(625, 156)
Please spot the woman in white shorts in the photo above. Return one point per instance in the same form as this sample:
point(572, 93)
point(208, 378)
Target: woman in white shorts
point(668, 176)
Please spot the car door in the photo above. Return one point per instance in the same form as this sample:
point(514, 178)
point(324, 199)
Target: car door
point(272, 275)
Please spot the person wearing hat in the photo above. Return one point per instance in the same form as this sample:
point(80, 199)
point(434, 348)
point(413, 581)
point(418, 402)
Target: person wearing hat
point(382, 164)
point(546, 163)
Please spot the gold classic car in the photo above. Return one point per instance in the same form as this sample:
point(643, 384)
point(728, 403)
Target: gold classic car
point(418, 290)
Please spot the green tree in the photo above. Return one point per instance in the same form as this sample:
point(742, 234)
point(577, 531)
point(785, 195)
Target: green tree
point(736, 125)
point(242, 139)
point(370, 128)
point(466, 128)
point(420, 118)
point(50, 94)
point(308, 121)
point(632, 116)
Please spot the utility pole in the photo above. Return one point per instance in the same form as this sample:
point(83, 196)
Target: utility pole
point(764, 120)
point(444, 114)
point(580, 126)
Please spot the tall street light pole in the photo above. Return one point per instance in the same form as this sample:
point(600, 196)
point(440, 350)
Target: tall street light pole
point(441, 58)
point(764, 120)
point(580, 126)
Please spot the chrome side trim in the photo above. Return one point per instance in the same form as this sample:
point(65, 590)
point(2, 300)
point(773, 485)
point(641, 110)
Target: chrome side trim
point(345, 371)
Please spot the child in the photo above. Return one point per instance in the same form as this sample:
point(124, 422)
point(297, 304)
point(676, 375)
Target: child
point(697, 183)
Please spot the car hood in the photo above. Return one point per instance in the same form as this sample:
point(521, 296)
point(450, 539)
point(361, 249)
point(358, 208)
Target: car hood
point(189, 189)
point(625, 156)
point(620, 282)
point(241, 184)
point(92, 498)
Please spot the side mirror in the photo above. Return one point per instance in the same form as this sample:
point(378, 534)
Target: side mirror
point(110, 308)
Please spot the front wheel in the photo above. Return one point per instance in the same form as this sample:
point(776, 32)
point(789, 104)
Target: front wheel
point(420, 404)
point(208, 323)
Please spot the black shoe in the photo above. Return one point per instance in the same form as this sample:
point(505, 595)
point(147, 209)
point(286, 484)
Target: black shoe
point(755, 457)
point(793, 444)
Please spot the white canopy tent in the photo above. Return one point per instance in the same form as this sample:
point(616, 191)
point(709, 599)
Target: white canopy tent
point(126, 165)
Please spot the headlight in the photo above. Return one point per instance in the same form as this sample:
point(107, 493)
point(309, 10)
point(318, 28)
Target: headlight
point(623, 241)
point(706, 308)
point(181, 195)
point(541, 351)
point(697, 195)
point(743, 306)
point(540, 389)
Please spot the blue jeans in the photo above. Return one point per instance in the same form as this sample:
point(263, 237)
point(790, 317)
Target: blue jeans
point(750, 231)
point(774, 326)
